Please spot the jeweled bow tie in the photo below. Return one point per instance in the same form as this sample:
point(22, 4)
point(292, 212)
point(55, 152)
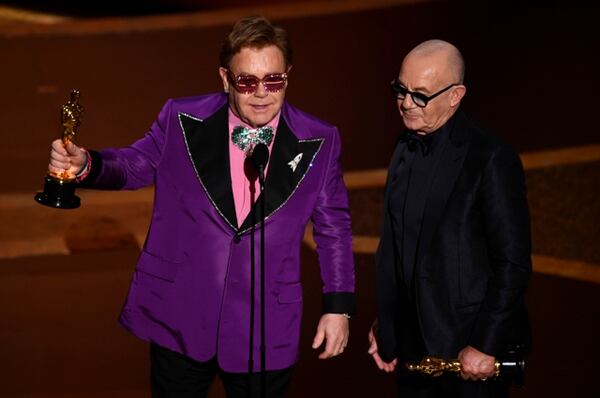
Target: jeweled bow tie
point(245, 138)
point(414, 140)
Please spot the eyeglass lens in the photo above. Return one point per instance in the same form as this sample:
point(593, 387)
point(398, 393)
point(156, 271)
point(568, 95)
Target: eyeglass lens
point(401, 92)
point(418, 98)
point(249, 83)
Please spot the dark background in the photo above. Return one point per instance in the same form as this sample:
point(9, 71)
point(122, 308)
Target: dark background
point(531, 75)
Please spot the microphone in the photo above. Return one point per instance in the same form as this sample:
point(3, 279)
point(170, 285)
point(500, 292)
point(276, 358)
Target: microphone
point(259, 159)
point(260, 156)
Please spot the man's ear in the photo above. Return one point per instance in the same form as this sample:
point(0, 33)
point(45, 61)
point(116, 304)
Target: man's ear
point(457, 95)
point(224, 78)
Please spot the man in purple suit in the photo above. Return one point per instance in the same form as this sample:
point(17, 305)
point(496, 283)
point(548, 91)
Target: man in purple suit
point(192, 294)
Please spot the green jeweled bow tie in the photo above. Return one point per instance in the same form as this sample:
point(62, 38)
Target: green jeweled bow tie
point(245, 138)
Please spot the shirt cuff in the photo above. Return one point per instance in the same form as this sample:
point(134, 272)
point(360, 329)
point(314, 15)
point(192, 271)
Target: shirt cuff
point(339, 303)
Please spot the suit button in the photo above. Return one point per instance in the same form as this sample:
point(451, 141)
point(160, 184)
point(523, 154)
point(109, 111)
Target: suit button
point(236, 239)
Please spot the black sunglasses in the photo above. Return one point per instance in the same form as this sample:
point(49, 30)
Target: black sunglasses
point(420, 99)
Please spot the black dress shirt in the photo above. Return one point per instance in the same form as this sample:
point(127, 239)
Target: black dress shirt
point(409, 190)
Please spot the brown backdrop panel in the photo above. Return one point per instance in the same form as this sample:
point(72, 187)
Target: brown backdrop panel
point(530, 77)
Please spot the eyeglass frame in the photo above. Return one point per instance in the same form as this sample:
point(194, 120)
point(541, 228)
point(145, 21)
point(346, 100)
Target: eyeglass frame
point(420, 96)
point(234, 80)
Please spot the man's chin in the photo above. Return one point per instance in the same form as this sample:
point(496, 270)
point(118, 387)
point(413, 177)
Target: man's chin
point(412, 123)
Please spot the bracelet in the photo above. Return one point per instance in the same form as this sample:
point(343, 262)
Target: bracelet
point(83, 173)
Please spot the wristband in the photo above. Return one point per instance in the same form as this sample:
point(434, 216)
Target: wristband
point(83, 173)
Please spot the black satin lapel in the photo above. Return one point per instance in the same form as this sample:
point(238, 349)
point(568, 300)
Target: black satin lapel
point(396, 156)
point(282, 180)
point(441, 187)
point(208, 147)
point(394, 164)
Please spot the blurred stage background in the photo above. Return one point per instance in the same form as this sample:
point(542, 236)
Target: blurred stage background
point(531, 76)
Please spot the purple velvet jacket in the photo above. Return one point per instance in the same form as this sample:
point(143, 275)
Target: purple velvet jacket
point(191, 288)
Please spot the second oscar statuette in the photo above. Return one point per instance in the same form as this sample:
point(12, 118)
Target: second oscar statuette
point(510, 368)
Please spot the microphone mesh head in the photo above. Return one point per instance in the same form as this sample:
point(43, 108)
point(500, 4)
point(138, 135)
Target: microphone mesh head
point(260, 156)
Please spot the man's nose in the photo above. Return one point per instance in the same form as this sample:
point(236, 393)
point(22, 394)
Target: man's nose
point(261, 91)
point(407, 102)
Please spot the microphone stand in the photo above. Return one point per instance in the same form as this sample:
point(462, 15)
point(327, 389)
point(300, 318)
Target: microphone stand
point(252, 296)
point(259, 158)
point(263, 356)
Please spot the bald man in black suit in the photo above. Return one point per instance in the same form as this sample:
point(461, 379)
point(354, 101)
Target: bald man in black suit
point(455, 254)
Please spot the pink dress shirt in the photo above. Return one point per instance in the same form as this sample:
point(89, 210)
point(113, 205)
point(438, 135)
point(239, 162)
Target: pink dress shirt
point(240, 184)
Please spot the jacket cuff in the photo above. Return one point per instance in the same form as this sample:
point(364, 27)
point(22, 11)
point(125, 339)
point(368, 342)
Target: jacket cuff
point(339, 303)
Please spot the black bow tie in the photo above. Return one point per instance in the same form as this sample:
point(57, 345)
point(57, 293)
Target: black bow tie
point(414, 140)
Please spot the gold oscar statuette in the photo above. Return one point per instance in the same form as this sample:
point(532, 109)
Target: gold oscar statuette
point(59, 188)
point(433, 366)
point(509, 369)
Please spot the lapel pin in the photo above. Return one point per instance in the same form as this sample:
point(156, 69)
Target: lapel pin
point(294, 163)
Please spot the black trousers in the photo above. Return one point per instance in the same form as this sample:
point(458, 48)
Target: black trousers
point(448, 386)
point(173, 375)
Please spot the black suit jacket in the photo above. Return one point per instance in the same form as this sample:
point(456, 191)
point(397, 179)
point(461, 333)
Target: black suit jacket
point(473, 259)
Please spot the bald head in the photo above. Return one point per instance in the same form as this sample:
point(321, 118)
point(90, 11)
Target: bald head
point(445, 56)
point(430, 85)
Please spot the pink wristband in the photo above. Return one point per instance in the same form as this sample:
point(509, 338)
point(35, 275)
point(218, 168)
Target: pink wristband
point(83, 173)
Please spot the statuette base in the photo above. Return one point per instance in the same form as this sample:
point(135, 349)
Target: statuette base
point(59, 194)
